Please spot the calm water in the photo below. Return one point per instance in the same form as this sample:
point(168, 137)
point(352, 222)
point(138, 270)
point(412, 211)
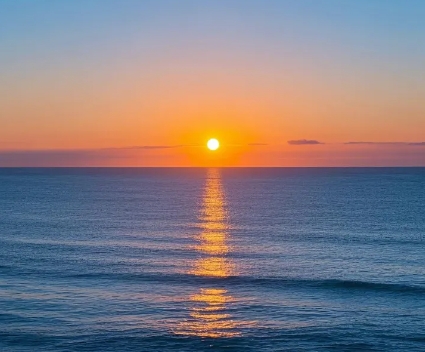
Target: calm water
point(212, 259)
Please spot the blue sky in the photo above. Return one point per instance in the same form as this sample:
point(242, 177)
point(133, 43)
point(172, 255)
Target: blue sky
point(86, 74)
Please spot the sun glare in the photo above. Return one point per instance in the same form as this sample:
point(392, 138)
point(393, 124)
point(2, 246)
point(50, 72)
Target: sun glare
point(213, 144)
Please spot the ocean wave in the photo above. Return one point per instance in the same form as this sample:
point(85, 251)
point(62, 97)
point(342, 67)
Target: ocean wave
point(269, 282)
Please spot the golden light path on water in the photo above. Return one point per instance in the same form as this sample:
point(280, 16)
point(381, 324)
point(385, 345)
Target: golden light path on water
point(209, 315)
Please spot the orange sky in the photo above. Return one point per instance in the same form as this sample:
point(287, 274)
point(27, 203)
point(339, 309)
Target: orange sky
point(102, 81)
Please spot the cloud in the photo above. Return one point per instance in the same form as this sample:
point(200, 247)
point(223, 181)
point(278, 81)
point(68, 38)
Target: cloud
point(304, 142)
point(386, 143)
point(53, 157)
point(257, 144)
point(82, 157)
point(374, 143)
point(151, 147)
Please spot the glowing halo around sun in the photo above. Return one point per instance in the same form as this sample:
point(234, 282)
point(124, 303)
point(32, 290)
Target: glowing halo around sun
point(213, 144)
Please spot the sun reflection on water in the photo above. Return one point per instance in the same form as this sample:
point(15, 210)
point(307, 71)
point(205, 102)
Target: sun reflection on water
point(209, 311)
point(208, 316)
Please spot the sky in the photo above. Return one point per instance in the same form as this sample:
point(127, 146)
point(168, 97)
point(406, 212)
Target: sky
point(147, 83)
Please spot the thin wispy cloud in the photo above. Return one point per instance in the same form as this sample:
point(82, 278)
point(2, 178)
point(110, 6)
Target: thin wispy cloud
point(79, 157)
point(257, 144)
point(304, 142)
point(385, 143)
point(171, 146)
point(94, 157)
point(373, 143)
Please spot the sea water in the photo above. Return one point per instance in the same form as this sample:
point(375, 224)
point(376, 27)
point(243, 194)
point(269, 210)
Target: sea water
point(235, 259)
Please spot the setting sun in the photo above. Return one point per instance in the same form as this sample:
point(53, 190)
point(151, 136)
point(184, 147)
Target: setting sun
point(213, 144)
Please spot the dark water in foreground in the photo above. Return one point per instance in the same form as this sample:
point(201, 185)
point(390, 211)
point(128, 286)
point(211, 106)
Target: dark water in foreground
point(212, 259)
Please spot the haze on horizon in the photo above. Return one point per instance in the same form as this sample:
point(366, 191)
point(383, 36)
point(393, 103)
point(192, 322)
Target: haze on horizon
point(277, 82)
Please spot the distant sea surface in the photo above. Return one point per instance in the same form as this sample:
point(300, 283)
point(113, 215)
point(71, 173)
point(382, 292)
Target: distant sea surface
point(237, 259)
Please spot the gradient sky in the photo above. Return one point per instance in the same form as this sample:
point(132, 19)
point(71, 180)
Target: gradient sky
point(146, 83)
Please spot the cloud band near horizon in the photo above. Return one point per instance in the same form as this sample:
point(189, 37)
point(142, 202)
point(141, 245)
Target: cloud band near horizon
point(304, 142)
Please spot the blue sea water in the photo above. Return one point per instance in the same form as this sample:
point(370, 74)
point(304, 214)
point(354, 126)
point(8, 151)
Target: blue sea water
point(263, 259)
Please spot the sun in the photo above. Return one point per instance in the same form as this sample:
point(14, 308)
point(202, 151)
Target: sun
point(213, 144)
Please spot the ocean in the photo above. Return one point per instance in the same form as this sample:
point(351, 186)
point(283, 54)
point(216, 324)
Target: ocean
point(199, 259)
